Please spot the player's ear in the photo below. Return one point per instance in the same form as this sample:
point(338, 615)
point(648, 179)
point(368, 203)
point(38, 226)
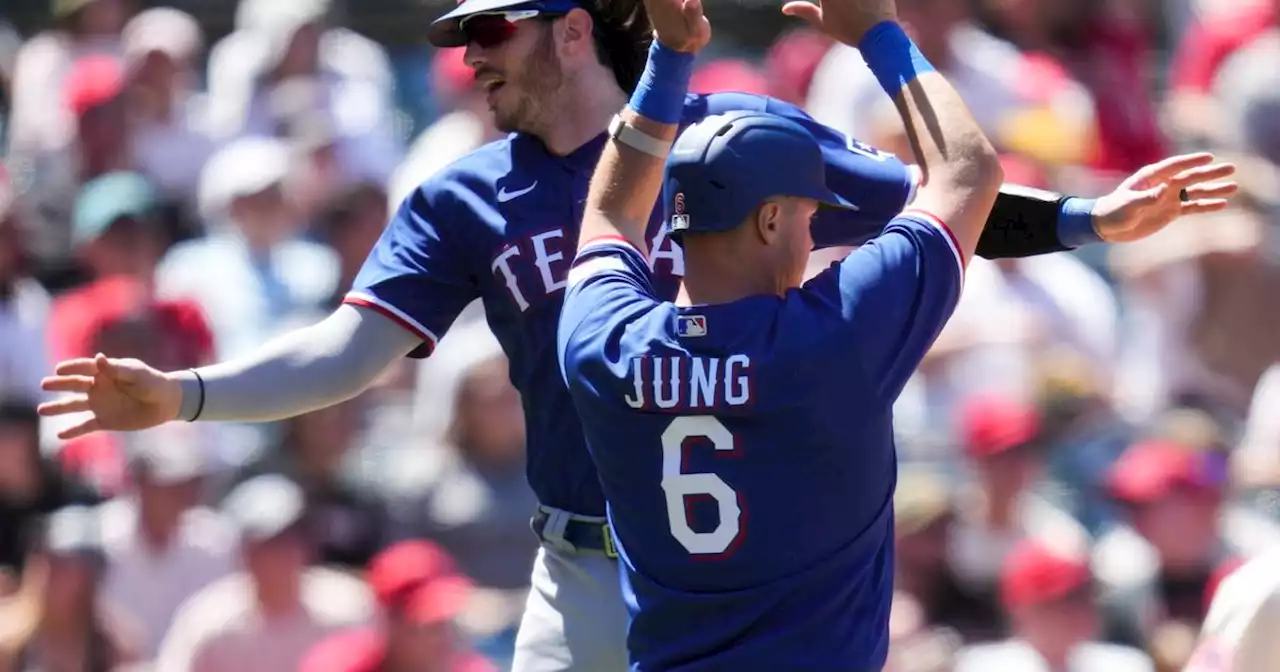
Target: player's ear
point(768, 220)
point(575, 33)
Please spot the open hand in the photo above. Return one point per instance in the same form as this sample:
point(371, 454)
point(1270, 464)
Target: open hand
point(1151, 198)
point(844, 20)
point(122, 394)
point(679, 24)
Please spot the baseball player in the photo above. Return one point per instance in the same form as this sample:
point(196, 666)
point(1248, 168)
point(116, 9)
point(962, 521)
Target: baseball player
point(500, 225)
point(743, 434)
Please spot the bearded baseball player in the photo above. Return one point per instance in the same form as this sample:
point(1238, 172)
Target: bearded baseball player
point(500, 225)
point(743, 432)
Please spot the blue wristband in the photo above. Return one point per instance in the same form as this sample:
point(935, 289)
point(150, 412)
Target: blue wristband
point(892, 57)
point(663, 85)
point(1075, 223)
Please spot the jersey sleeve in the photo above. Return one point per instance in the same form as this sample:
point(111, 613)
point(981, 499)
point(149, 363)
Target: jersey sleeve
point(895, 294)
point(876, 182)
point(416, 274)
point(609, 286)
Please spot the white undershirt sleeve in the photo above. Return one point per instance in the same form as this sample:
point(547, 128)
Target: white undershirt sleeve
point(302, 371)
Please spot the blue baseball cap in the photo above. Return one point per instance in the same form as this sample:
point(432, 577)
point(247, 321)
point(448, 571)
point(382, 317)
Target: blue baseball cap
point(726, 165)
point(446, 31)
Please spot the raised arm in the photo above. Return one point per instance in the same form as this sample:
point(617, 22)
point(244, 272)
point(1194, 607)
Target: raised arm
point(628, 177)
point(961, 173)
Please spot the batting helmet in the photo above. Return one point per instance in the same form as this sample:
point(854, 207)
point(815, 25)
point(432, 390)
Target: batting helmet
point(723, 167)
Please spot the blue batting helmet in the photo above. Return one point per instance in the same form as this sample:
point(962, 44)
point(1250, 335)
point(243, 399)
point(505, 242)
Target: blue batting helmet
point(725, 166)
point(446, 31)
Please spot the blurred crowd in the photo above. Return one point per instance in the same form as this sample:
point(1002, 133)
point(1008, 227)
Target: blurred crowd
point(1087, 450)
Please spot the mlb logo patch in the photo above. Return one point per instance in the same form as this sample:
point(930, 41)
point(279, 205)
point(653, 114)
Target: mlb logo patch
point(691, 325)
point(679, 222)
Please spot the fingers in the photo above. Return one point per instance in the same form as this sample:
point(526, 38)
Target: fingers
point(1203, 206)
point(76, 404)
point(77, 367)
point(692, 9)
point(1212, 191)
point(1166, 170)
point(67, 384)
point(1215, 172)
point(806, 11)
point(78, 430)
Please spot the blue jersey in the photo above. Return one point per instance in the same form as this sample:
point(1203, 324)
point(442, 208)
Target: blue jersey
point(746, 449)
point(501, 225)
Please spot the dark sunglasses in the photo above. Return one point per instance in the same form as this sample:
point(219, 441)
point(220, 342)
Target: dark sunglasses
point(492, 29)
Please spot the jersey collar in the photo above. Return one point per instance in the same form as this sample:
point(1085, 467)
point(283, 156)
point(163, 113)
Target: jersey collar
point(583, 159)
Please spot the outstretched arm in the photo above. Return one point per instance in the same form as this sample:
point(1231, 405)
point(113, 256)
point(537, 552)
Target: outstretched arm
point(304, 370)
point(1024, 221)
point(628, 177)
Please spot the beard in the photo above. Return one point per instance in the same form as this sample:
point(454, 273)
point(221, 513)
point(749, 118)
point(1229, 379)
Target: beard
point(535, 91)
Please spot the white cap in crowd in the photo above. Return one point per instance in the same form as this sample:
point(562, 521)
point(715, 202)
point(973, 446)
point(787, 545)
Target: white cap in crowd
point(243, 167)
point(170, 454)
point(164, 30)
point(264, 507)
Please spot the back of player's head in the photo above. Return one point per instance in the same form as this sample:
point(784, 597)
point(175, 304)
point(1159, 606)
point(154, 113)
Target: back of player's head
point(622, 35)
point(724, 167)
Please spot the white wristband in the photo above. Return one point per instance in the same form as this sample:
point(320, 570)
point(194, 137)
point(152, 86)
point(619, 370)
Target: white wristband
point(637, 139)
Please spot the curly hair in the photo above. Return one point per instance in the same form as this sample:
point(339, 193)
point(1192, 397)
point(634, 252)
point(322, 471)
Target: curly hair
point(622, 36)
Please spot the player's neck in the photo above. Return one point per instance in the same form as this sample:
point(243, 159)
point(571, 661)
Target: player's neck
point(590, 104)
point(713, 279)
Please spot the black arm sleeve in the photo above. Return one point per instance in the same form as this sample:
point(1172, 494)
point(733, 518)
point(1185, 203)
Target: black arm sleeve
point(1023, 223)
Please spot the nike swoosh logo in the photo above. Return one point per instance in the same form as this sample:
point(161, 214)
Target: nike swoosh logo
point(504, 195)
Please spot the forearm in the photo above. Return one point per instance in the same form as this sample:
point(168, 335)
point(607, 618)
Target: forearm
point(961, 172)
point(1025, 222)
point(302, 371)
point(626, 184)
point(628, 179)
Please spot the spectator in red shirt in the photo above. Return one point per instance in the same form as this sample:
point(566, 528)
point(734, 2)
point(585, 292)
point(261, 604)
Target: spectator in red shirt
point(1204, 49)
point(791, 62)
point(1214, 38)
point(119, 243)
point(1106, 47)
point(421, 593)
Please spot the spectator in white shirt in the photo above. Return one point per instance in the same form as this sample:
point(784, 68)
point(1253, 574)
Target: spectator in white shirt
point(161, 547)
point(24, 310)
point(266, 275)
point(1049, 598)
point(1240, 632)
point(40, 122)
point(267, 618)
point(276, 44)
point(161, 46)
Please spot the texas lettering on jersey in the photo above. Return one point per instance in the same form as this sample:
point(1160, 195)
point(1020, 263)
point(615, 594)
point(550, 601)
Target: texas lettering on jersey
point(535, 267)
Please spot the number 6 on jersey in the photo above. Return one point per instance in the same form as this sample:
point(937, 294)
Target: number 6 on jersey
point(681, 487)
